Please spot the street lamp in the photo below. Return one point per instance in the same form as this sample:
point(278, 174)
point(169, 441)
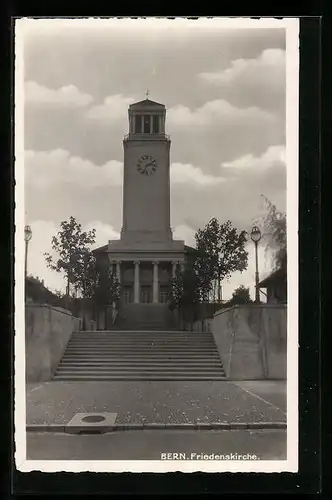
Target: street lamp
point(27, 238)
point(256, 236)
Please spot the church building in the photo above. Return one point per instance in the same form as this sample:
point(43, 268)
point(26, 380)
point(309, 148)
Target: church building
point(146, 256)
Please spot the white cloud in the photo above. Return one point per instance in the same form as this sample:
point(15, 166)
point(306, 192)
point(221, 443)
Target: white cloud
point(268, 70)
point(272, 156)
point(183, 232)
point(189, 174)
point(46, 168)
point(114, 108)
point(42, 233)
point(104, 232)
point(214, 112)
point(66, 96)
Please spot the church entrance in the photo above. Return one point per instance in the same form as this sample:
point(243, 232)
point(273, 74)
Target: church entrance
point(146, 294)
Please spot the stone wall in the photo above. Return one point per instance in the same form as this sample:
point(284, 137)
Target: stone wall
point(252, 341)
point(47, 332)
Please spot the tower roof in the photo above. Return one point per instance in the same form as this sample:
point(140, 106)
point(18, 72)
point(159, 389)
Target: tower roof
point(146, 103)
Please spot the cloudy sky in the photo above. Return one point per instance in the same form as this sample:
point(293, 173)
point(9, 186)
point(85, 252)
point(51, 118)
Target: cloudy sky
point(224, 89)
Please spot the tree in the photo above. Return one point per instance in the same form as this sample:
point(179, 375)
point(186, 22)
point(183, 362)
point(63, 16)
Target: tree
point(185, 293)
point(221, 251)
point(240, 295)
point(275, 233)
point(106, 288)
point(71, 245)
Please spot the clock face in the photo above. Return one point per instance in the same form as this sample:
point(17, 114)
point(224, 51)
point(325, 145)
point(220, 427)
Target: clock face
point(147, 165)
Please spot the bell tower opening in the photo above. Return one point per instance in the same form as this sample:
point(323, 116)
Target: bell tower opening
point(149, 123)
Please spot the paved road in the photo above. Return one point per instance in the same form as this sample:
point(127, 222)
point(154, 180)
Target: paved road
point(159, 402)
point(272, 391)
point(148, 445)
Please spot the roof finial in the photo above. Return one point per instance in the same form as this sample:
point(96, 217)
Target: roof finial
point(147, 93)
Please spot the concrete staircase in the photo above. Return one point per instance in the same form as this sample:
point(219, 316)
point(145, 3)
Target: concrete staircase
point(140, 355)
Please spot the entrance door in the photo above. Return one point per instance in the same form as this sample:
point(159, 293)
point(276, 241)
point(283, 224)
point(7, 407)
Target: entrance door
point(127, 295)
point(146, 297)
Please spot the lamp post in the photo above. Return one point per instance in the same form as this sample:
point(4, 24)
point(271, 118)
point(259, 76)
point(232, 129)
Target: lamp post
point(256, 236)
point(27, 238)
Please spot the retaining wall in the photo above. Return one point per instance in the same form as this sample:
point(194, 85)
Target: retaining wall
point(252, 341)
point(47, 332)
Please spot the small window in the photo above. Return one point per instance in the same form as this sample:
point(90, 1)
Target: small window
point(155, 124)
point(138, 124)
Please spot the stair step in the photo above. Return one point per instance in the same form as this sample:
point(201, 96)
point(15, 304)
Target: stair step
point(144, 336)
point(138, 354)
point(142, 347)
point(141, 338)
point(146, 353)
point(183, 345)
point(141, 332)
point(213, 361)
point(175, 367)
point(165, 363)
point(139, 349)
point(119, 343)
point(153, 378)
point(140, 372)
point(144, 339)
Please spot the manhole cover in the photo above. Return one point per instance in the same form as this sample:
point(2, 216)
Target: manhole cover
point(93, 418)
point(91, 423)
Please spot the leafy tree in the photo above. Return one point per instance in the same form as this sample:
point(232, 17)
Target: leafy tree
point(71, 245)
point(105, 288)
point(184, 294)
point(221, 251)
point(240, 295)
point(275, 233)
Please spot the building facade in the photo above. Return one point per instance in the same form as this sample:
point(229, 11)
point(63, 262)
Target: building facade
point(276, 287)
point(146, 256)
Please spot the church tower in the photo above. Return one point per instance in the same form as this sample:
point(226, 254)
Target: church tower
point(146, 256)
point(146, 180)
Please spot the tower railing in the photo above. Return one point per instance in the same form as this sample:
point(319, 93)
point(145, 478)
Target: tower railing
point(140, 137)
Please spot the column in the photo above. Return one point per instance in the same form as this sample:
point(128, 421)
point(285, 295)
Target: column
point(112, 264)
point(182, 266)
point(118, 270)
point(136, 282)
point(155, 287)
point(174, 264)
